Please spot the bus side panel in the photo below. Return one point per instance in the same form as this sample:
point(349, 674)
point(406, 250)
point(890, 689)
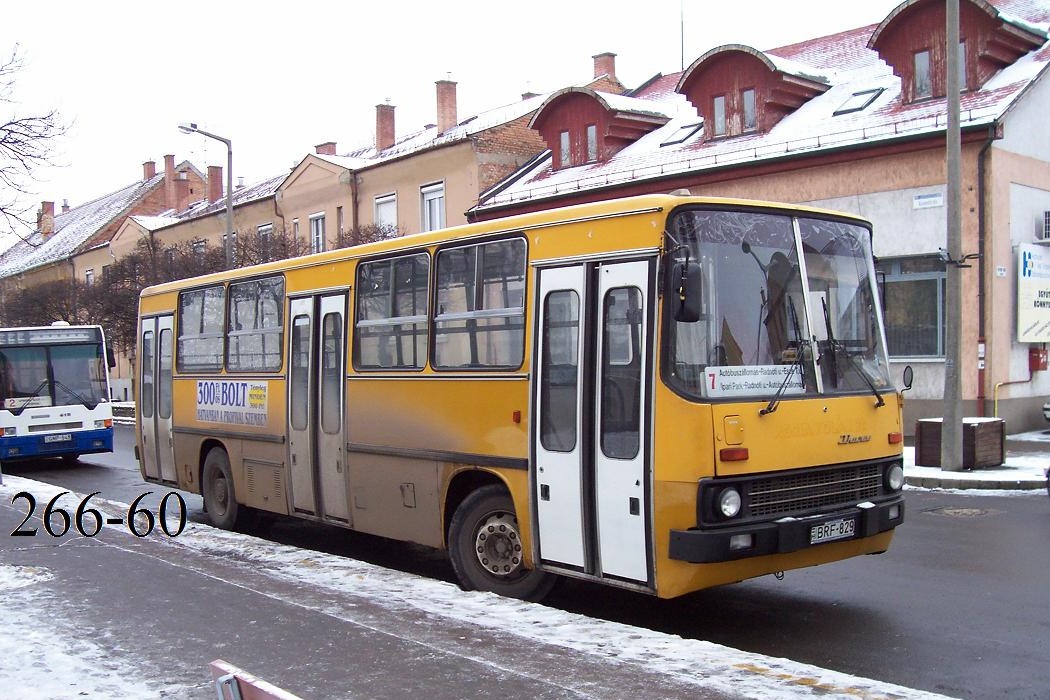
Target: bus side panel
point(396, 497)
point(407, 434)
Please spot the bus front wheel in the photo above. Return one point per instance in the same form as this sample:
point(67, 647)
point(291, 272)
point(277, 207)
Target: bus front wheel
point(485, 547)
point(217, 490)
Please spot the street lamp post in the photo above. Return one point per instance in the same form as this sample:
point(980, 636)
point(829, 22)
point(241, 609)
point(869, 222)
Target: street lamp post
point(191, 128)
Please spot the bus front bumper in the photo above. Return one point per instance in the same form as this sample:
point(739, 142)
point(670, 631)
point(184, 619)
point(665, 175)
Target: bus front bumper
point(785, 535)
point(80, 442)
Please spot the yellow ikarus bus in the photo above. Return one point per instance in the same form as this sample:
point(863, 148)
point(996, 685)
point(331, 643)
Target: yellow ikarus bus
point(660, 393)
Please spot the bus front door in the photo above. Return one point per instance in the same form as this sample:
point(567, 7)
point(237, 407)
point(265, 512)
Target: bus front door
point(316, 397)
point(591, 483)
point(158, 455)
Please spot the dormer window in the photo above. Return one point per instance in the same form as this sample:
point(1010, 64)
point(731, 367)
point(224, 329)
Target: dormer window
point(718, 116)
point(565, 156)
point(923, 80)
point(592, 143)
point(911, 40)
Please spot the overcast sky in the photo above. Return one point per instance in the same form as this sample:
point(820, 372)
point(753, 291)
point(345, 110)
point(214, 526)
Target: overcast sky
point(279, 78)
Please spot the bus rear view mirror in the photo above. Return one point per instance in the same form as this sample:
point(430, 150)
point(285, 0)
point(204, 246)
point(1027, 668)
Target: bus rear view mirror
point(111, 359)
point(686, 285)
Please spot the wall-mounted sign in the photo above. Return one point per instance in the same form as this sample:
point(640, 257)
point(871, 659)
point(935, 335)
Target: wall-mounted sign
point(1033, 294)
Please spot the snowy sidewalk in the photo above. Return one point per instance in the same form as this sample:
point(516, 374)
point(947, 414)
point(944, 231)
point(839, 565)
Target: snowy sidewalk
point(1019, 471)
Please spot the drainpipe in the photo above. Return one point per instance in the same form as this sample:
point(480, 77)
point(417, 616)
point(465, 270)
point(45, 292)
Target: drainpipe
point(1031, 374)
point(982, 157)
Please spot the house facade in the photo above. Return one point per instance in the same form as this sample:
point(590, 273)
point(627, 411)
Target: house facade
point(855, 121)
point(73, 243)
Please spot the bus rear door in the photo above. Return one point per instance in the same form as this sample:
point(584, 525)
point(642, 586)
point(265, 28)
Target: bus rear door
point(158, 456)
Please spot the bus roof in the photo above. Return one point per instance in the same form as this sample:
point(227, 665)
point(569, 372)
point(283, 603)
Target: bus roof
point(625, 206)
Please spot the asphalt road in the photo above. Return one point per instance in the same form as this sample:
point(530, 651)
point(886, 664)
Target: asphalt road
point(957, 606)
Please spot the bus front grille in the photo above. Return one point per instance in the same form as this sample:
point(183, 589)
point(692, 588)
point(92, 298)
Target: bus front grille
point(803, 492)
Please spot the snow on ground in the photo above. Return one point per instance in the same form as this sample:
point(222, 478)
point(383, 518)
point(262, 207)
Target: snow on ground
point(46, 659)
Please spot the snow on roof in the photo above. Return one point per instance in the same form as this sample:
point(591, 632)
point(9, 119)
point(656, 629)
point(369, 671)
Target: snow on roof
point(73, 229)
point(241, 196)
point(827, 121)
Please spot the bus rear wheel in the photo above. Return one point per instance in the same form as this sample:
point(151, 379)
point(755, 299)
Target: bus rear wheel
point(484, 543)
point(217, 490)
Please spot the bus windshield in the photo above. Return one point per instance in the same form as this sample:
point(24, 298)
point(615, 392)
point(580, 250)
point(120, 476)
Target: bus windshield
point(59, 375)
point(788, 307)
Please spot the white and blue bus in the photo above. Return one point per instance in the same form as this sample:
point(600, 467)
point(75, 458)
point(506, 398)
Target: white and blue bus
point(54, 389)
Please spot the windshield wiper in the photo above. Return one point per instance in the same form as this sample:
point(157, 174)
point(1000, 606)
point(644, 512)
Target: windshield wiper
point(80, 399)
point(851, 360)
point(797, 364)
point(17, 410)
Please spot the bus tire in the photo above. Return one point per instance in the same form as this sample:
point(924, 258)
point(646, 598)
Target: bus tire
point(485, 547)
point(220, 501)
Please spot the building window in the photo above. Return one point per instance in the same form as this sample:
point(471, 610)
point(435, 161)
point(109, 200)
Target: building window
point(750, 113)
point(913, 294)
point(264, 234)
point(564, 150)
point(432, 205)
point(858, 101)
point(233, 247)
point(923, 84)
point(295, 229)
point(592, 143)
point(317, 233)
point(682, 134)
point(199, 246)
point(962, 66)
point(386, 211)
point(339, 220)
point(106, 270)
point(89, 276)
point(718, 116)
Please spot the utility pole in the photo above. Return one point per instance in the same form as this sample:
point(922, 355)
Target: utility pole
point(951, 425)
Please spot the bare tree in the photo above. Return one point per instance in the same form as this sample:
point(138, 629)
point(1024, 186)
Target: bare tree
point(369, 233)
point(25, 145)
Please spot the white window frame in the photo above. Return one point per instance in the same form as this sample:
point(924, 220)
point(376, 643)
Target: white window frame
point(428, 194)
point(317, 232)
point(565, 150)
point(381, 204)
point(89, 276)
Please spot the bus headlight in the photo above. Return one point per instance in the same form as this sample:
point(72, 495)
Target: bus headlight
point(9, 431)
point(729, 502)
point(895, 477)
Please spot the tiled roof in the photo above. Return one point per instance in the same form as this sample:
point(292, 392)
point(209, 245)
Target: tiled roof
point(849, 66)
point(73, 229)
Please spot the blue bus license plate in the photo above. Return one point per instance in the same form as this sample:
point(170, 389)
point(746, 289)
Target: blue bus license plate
point(58, 437)
point(832, 530)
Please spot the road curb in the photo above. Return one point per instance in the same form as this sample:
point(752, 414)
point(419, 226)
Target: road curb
point(934, 482)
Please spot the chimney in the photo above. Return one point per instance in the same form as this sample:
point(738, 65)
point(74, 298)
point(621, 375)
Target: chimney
point(384, 126)
point(605, 64)
point(325, 149)
point(170, 197)
point(65, 205)
point(46, 222)
point(182, 192)
point(149, 170)
point(214, 183)
point(446, 105)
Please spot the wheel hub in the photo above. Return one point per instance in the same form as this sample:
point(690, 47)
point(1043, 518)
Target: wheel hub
point(498, 544)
